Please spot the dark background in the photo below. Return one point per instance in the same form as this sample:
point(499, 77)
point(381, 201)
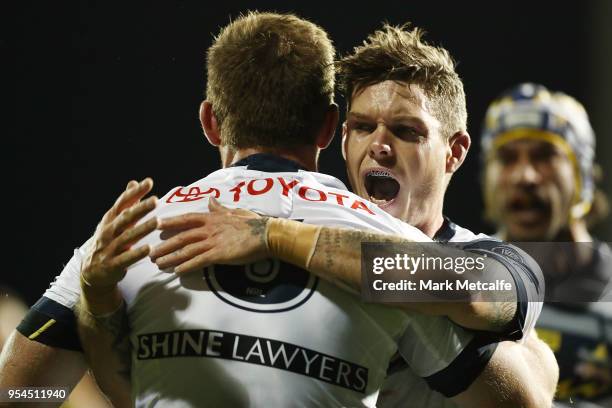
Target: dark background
point(100, 93)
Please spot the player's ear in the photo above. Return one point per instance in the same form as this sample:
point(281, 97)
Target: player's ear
point(209, 123)
point(344, 139)
point(328, 129)
point(458, 146)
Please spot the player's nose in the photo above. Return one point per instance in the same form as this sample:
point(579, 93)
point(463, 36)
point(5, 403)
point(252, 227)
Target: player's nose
point(381, 147)
point(525, 173)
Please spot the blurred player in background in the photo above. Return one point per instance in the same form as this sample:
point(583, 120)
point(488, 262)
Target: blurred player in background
point(539, 185)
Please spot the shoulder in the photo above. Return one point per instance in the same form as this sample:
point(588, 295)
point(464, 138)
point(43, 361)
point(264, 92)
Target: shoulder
point(454, 233)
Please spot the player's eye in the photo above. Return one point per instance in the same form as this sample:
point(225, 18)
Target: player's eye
point(362, 127)
point(543, 153)
point(407, 133)
point(506, 157)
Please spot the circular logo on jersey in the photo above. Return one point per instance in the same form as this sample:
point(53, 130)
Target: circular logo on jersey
point(509, 252)
point(266, 286)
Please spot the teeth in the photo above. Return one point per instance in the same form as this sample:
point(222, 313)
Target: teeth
point(378, 201)
point(379, 173)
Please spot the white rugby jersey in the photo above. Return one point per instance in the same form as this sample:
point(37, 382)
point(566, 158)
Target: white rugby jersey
point(267, 334)
point(420, 386)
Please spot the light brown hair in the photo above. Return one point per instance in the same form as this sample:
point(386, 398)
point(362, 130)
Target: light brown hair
point(399, 54)
point(270, 80)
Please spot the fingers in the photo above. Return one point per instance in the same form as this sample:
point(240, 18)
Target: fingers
point(128, 258)
point(133, 192)
point(178, 241)
point(133, 214)
point(197, 262)
point(178, 257)
point(184, 221)
point(111, 255)
point(215, 206)
point(132, 235)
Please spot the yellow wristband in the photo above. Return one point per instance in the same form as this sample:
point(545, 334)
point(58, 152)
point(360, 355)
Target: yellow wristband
point(292, 241)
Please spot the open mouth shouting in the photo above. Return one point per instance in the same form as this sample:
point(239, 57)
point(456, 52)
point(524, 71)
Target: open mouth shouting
point(381, 185)
point(528, 209)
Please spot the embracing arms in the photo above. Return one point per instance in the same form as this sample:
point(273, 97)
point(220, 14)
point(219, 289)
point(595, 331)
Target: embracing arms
point(239, 236)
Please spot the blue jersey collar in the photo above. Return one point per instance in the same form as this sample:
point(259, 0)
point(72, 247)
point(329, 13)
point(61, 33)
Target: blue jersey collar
point(446, 232)
point(269, 163)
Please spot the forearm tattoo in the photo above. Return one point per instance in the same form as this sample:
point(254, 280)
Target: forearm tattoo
point(116, 325)
point(338, 253)
point(337, 257)
point(258, 228)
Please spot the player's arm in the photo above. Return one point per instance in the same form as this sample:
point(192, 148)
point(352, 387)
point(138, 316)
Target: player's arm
point(45, 350)
point(101, 314)
point(239, 236)
point(518, 375)
point(337, 256)
point(30, 363)
point(106, 343)
point(472, 368)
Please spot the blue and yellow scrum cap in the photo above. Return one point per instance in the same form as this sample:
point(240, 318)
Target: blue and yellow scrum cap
point(532, 111)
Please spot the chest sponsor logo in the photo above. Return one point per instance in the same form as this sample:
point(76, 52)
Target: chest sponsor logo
point(268, 286)
point(253, 350)
point(273, 189)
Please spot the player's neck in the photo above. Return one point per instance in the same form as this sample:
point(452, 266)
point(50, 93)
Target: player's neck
point(432, 224)
point(306, 156)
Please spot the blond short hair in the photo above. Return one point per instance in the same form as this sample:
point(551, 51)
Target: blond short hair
point(398, 53)
point(270, 80)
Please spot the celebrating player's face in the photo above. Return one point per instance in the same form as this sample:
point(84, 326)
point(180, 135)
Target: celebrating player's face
point(529, 187)
point(395, 154)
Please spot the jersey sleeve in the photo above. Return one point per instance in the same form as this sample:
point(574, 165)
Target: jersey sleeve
point(528, 280)
point(51, 320)
point(448, 357)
